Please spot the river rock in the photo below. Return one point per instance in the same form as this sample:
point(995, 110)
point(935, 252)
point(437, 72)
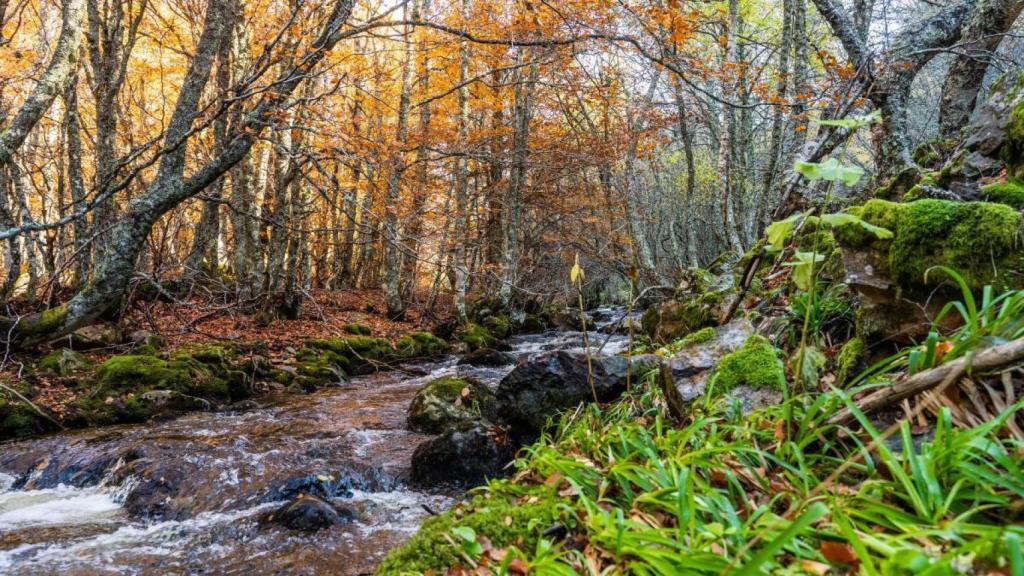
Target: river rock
point(684, 375)
point(462, 457)
point(310, 514)
point(63, 362)
point(448, 402)
point(96, 336)
point(548, 383)
point(487, 357)
point(146, 338)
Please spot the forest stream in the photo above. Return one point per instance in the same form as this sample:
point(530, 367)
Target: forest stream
point(70, 503)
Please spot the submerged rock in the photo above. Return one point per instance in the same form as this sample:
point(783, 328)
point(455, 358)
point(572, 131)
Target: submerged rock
point(310, 514)
point(448, 402)
point(462, 457)
point(487, 357)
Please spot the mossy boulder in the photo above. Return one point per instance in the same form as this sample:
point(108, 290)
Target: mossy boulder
point(677, 318)
point(358, 329)
point(757, 364)
point(63, 362)
point(361, 354)
point(445, 403)
point(122, 382)
point(96, 336)
point(532, 323)
point(421, 345)
point(499, 325)
point(475, 336)
point(503, 520)
point(980, 240)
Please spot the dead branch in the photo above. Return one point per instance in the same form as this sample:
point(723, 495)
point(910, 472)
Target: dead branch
point(987, 360)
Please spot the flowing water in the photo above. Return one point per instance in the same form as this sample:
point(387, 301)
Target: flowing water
point(186, 496)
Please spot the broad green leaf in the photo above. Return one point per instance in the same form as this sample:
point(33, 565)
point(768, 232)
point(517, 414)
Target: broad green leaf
point(803, 268)
point(878, 231)
point(853, 122)
point(839, 219)
point(830, 170)
point(465, 533)
point(779, 232)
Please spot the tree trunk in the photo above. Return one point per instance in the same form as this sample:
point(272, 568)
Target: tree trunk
point(522, 112)
point(411, 260)
point(725, 131)
point(461, 180)
point(204, 256)
point(686, 140)
point(76, 183)
point(981, 37)
point(782, 93)
point(397, 167)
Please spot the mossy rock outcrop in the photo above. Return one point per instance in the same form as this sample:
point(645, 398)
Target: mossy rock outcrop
point(475, 336)
point(62, 362)
point(355, 355)
point(136, 387)
point(982, 241)
point(677, 318)
point(358, 329)
point(499, 325)
point(420, 345)
point(503, 520)
point(757, 365)
point(446, 403)
point(1010, 193)
point(122, 383)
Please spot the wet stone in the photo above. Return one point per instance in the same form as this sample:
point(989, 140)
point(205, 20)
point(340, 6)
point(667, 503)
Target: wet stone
point(310, 514)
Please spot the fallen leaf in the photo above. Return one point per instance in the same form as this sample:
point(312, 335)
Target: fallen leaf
point(839, 552)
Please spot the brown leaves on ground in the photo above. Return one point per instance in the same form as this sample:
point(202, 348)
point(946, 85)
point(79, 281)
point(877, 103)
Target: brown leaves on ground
point(324, 314)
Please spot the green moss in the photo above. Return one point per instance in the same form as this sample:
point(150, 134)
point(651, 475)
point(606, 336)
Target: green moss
point(358, 329)
point(122, 382)
point(916, 192)
point(420, 345)
point(756, 364)
point(532, 323)
point(441, 406)
point(981, 240)
point(978, 239)
point(356, 354)
point(62, 362)
point(1010, 193)
point(499, 325)
point(501, 519)
point(848, 360)
point(18, 419)
point(701, 336)
point(476, 337)
point(44, 322)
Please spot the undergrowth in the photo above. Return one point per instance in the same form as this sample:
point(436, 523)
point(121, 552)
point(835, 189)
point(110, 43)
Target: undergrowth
point(629, 492)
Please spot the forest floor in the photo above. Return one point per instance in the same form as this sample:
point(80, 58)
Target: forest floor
point(325, 314)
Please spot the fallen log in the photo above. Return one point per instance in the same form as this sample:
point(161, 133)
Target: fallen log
point(987, 360)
